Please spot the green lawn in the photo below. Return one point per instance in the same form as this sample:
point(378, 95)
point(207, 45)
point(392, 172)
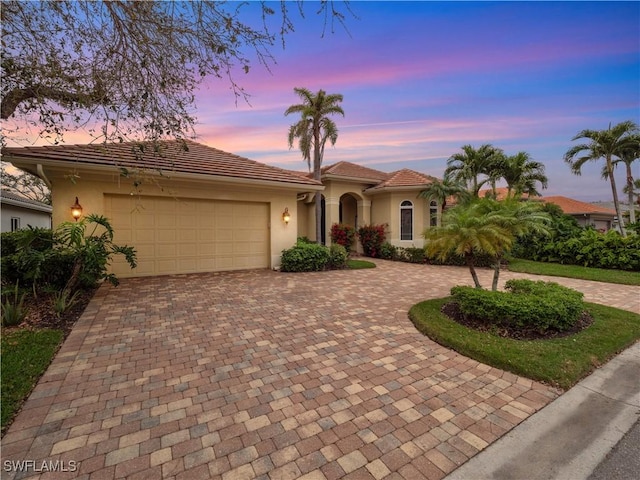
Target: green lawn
point(26, 354)
point(357, 264)
point(575, 271)
point(561, 362)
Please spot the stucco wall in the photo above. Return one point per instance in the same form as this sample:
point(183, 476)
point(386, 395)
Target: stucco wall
point(27, 217)
point(90, 190)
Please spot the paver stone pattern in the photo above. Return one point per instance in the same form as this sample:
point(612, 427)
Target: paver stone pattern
point(260, 374)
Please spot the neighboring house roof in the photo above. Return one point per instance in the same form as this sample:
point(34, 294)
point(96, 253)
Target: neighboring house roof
point(501, 193)
point(575, 207)
point(351, 170)
point(10, 198)
point(402, 179)
point(170, 156)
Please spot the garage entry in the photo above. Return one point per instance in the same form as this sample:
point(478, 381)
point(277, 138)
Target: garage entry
point(173, 235)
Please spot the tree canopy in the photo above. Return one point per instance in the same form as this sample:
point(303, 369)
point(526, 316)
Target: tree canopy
point(129, 69)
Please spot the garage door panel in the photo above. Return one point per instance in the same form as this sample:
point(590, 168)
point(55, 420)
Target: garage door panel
point(189, 235)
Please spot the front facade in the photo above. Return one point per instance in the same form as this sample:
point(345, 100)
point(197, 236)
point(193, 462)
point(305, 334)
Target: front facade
point(185, 207)
point(19, 213)
point(357, 196)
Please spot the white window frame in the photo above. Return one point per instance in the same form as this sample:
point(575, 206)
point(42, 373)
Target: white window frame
point(15, 223)
point(406, 205)
point(433, 213)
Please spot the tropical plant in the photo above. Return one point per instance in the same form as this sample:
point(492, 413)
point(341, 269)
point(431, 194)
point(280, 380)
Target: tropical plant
point(13, 311)
point(131, 68)
point(628, 154)
point(63, 300)
point(93, 251)
point(522, 174)
point(468, 167)
point(441, 190)
point(603, 144)
point(484, 227)
point(312, 131)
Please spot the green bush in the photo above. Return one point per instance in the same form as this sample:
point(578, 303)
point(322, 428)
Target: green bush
point(413, 255)
point(338, 257)
point(388, 251)
point(480, 260)
point(588, 248)
point(305, 257)
point(542, 307)
point(372, 238)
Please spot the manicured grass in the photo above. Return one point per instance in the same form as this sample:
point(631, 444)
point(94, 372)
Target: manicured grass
point(575, 271)
point(357, 264)
point(561, 361)
point(26, 354)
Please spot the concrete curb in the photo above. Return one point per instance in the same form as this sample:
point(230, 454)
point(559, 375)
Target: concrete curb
point(572, 435)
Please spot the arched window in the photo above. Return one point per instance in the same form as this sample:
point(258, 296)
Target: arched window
point(433, 213)
point(406, 220)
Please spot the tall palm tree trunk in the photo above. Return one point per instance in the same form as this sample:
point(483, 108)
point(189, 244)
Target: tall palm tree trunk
point(316, 176)
point(614, 191)
point(472, 270)
point(632, 209)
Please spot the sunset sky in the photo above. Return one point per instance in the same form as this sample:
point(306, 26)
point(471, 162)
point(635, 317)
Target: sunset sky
point(422, 79)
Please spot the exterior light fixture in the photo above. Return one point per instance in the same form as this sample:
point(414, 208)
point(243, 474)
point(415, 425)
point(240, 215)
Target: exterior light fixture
point(286, 216)
point(76, 210)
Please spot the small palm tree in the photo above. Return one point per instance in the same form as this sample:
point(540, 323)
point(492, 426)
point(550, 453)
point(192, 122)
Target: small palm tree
point(312, 131)
point(467, 232)
point(603, 144)
point(441, 190)
point(522, 173)
point(468, 166)
point(484, 227)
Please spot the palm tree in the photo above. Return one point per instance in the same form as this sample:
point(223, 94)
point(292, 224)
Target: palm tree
point(467, 232)
point(484, 227)
point(468, 166)
point(522, 173)
point(441, 190)
point(312, 131)
point(627, 155)
point(603, 144)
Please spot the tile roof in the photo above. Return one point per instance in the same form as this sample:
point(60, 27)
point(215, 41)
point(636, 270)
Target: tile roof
point(403, 178)
point(11, 198)
point(501, 193)
point(348, 169)
point(573, 207)
point(169, 156)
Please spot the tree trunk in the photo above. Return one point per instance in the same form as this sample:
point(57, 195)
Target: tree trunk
point(614, 190)
point(496, 275)
point(632, 207)
point(317, 161)
point(472, 269)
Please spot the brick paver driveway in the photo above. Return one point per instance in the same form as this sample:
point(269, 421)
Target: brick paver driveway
point(272, 375)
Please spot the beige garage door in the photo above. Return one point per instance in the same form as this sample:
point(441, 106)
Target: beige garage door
point(189, 235)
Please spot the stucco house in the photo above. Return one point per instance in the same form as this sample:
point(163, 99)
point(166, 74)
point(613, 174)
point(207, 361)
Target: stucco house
point(357, 195)
point(587, 214)
point(18, 212)
point(187, 207)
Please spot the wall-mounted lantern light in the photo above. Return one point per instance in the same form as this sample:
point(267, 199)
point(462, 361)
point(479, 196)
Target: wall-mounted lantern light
point(76, 210)
point(286, 216)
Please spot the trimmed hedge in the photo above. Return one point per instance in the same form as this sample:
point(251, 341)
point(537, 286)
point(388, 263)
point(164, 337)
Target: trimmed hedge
point(305, 257)
point(527, 305)
point(338, 257)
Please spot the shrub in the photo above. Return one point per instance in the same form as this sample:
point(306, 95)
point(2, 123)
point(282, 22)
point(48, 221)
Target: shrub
point(13, 311)
point(413, 255)
point(388, 251)
point(542, 307)
point(343, 234)
point(63, 300)
point(371, 238)
point(305, 257)
point(337, 257)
